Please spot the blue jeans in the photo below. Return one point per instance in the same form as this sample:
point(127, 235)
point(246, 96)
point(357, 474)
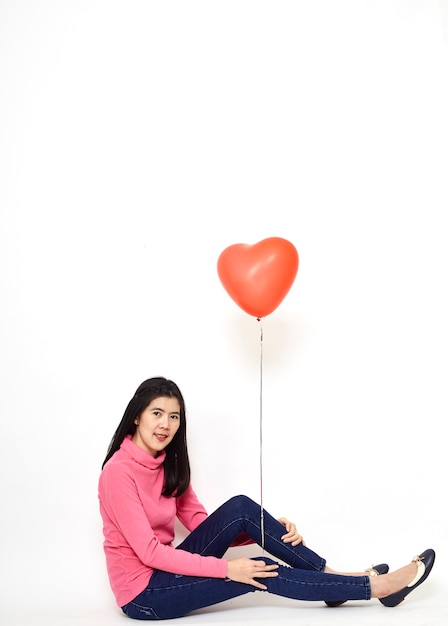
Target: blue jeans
point(169, 596)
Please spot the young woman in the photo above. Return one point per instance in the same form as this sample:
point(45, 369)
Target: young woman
point(145, 484)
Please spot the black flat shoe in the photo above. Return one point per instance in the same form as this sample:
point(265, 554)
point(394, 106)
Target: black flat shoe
point(424, 561)
point(375, 570)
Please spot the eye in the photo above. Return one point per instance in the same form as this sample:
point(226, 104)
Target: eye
point(174, 416)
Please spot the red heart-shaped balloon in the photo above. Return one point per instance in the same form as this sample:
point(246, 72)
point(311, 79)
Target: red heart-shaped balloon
point(257, 277)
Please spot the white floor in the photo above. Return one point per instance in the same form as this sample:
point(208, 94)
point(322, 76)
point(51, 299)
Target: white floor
point(427, 606)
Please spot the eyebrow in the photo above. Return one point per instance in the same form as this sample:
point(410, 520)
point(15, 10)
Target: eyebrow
point(156, 408)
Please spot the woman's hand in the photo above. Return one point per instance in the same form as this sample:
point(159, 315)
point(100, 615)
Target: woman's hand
point(245, 570)
point(291, 536)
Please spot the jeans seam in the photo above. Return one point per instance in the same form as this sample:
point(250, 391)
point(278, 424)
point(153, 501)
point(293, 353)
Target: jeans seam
point(273, 538)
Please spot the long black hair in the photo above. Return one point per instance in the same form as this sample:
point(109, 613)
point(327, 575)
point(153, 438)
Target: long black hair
point(176, 464)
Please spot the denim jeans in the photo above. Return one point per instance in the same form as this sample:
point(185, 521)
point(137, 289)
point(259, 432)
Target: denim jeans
point(169, 596)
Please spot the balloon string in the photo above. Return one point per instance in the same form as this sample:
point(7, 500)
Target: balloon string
point(261, 436)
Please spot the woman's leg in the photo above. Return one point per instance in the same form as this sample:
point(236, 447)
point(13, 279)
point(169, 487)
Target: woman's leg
point(239, 515)
point(169, 596)
point(304, 578)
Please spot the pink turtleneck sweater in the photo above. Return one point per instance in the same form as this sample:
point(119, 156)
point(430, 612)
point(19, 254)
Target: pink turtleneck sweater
point(138, 524)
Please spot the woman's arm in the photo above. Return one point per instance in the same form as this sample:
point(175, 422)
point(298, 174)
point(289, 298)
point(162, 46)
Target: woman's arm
point(126, 524)
point(190, 511)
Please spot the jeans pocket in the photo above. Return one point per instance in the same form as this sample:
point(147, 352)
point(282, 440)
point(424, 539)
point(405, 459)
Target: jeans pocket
point(136, 611)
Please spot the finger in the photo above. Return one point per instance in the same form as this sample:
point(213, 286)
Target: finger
point(291, 530)
point(265, 568)
point(297, 541)
point(294, 539)
point(291, 536)
point(265, 574)
point(258, 585)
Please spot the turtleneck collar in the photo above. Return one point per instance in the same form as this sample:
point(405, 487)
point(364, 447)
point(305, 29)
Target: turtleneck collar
point(140, 455)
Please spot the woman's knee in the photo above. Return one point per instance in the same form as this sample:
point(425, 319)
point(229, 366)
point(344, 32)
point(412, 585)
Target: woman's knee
point(241, 504)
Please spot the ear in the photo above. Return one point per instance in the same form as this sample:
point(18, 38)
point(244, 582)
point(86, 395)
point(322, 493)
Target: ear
point(136, 421)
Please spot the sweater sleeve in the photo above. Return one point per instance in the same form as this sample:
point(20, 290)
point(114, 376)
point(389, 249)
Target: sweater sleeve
point(121, 502)
point(189, 510)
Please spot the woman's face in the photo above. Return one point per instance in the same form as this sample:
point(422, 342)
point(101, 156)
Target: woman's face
point(157, 425)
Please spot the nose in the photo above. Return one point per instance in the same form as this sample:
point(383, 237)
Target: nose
point(164, 422)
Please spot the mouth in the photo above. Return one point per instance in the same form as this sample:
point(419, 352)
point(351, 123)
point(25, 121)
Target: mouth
point(160, 437)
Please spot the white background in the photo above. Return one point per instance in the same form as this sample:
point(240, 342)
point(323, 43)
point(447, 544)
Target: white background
point(137, 141)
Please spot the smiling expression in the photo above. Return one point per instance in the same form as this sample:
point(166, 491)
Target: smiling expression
point(157, 425)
